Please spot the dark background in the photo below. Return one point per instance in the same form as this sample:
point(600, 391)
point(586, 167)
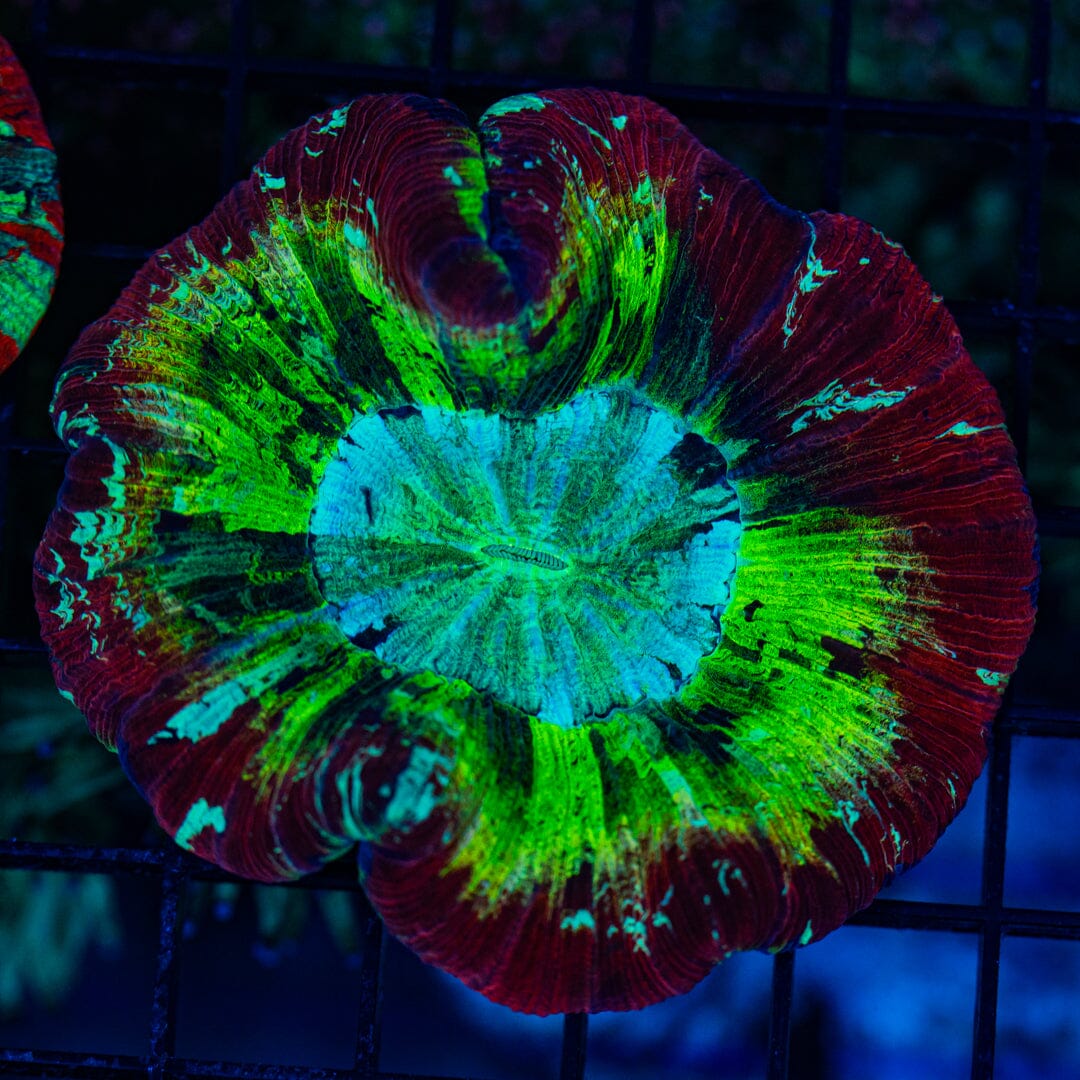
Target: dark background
point(955, 128)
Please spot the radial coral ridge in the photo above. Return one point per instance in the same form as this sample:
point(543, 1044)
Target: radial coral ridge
point(630, 564)
point(31, 221)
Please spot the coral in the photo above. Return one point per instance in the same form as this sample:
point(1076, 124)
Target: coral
point(630, 564)
point(31, 218)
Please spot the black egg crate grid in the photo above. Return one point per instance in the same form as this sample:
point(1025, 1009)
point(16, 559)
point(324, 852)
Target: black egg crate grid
point(1030, 129)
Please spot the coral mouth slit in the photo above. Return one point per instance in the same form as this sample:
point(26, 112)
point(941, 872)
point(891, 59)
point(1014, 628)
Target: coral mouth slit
point(525, 555)
point(568, 564)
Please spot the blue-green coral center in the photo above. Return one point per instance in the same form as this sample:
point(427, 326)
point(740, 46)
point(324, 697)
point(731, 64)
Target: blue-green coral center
point(568, 564)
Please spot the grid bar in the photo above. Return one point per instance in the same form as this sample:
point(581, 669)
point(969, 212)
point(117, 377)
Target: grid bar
point(1045, 720)
point(839, 50)
point(883, 115)
point(367, 1026)
point(968, 918)
point(442, 47)
point(575, 1035)
point(641, 38)
point(231, 166)
point(993, 891)
point(39, 27)
point(783, 989)
point(908, 914)
point(163, 1007)
point(40, 1064)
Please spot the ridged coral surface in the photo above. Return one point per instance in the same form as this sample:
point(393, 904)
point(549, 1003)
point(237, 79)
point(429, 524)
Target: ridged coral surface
point(631, 565)
point(31, 220)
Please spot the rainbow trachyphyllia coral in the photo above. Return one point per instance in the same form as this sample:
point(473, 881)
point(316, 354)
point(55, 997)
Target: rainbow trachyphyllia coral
point(630, 565)
point(31, 218)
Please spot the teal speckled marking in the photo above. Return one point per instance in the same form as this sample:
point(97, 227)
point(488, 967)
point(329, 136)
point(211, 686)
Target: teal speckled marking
point(415, 794)
point(724, 871)
point(638, 931)
point(618, 122)
point(270, 183)
point(991, 678)
point(335, 122)
point(204, 716)
point(72, 593)
point(65, 608)
point(894, 244)
point(898, 841)
point(593, 132)
point(813, 277)
point(807, 934)
point(200, 816)
point(453, 176)
point(847, 813)
point(580, 920)
point(356, 237)
point(864, 261)
point(517, 103)
point(370, 204)
point(964, 428)
point(350, 785)
point(643, 194)
point(836, 399)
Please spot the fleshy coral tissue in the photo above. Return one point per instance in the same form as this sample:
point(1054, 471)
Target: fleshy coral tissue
point(31, 217)
point(632, 566)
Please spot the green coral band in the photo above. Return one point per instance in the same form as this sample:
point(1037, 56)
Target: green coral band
point(775, 690)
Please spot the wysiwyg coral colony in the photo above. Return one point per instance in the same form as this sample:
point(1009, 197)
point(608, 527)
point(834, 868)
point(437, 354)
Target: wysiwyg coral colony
point(630, 564)
point(31, 219)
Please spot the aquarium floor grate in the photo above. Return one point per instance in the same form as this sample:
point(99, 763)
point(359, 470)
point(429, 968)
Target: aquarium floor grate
point(233, 76)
